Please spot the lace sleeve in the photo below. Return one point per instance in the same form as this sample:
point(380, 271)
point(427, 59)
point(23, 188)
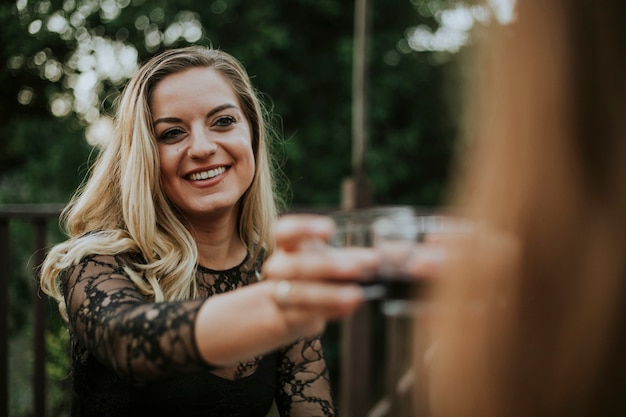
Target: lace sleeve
point(303, 383)
point(112, 321)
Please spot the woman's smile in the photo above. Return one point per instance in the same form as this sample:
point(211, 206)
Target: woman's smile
point(207, 174)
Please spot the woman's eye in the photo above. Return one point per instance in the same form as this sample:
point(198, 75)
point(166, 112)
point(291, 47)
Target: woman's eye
point(170, 134)
point(225, 121)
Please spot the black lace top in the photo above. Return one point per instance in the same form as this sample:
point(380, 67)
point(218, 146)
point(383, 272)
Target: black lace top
point(131, 357)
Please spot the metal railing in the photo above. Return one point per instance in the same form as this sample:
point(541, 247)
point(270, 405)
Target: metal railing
point(358, 394)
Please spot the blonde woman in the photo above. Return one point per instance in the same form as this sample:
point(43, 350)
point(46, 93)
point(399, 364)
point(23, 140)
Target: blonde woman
point(533, 305)
point(166, 238)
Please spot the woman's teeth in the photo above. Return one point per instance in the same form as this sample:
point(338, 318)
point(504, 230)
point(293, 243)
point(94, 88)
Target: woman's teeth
point(204, 175)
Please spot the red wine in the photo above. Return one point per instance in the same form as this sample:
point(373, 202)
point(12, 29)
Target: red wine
point(404, 288)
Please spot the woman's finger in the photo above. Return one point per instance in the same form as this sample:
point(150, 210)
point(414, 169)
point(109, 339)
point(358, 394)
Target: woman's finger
point(293, 230)
point(327, 300)
point(323, 264)
point(427, 260)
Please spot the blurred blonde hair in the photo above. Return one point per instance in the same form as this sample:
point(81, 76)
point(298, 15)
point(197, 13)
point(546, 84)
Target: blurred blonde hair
point(535, 304)
point(122, 206)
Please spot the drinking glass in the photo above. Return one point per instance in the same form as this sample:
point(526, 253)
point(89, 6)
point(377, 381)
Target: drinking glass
point(355, 229)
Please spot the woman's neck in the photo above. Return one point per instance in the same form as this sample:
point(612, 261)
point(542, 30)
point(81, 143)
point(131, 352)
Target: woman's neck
point(219, 244)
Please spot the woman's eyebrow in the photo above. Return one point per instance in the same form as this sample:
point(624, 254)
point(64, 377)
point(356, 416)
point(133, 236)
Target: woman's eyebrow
point(209, 114)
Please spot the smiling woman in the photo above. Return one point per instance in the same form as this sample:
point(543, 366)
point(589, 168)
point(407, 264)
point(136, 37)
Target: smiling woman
point(168, 239)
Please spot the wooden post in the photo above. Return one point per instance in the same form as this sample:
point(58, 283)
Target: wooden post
point(359, 87)
point(361, 195)
point(41, 308)
point(355, 387)
point(4, 316)
point(392, 363)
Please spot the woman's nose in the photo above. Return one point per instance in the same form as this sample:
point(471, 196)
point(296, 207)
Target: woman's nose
point(201, 145)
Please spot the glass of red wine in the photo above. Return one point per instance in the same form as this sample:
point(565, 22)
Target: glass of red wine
point(400, 235)
point(354, 228)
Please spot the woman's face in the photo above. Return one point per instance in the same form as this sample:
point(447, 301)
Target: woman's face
point(204, 141)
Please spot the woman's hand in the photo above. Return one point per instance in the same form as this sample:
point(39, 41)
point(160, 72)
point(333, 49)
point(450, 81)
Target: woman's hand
point(315, 282)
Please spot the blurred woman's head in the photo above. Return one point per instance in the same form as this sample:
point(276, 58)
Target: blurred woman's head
point(536, 300)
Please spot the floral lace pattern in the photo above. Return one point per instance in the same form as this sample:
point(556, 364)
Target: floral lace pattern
point(129, 354)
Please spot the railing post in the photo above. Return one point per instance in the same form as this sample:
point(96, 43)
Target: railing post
point(355, 386)
point(392, 363)
point(4, 316)
point(41, 320)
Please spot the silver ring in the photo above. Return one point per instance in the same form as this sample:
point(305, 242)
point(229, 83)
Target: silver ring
point(283, 292)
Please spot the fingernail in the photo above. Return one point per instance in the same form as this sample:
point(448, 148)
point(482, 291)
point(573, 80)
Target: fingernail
point(317, 245)
point(321, 225)
point(433, 254)
point(350, 293)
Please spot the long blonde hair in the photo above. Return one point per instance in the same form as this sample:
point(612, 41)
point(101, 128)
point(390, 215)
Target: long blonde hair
point(122, 206)
point(535, 307)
